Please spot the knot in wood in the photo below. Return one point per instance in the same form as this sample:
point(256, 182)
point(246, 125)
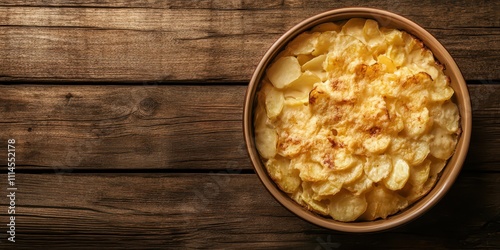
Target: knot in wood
point(147, 106)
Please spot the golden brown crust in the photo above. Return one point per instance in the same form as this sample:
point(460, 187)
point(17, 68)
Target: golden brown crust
point(359, 121)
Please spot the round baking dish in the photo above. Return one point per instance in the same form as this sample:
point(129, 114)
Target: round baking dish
point(461, 98)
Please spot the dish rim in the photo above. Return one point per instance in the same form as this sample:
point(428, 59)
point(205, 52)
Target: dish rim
point(454, 164)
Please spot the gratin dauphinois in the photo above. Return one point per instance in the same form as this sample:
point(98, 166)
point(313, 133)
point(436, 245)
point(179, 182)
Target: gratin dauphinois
point(355, 121)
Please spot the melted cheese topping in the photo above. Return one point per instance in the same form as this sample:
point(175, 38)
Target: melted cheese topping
point(355, 121)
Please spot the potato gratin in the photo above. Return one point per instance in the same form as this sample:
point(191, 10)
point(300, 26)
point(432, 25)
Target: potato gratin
point(355, 121)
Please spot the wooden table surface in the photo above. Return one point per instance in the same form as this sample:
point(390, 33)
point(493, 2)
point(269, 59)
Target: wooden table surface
point(127, 117)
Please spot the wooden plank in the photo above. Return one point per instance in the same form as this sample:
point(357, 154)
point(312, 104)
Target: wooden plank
point(170, 127)
point(216, 211)
point(485, 138)
point(64, 128)
point(204, 40)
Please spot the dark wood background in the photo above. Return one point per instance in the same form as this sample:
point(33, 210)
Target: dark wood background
point(128, 122)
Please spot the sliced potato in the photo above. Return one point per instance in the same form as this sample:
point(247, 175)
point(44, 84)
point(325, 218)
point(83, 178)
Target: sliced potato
point(437, 166)
point(260, 115)
point(417, 122)
point(420, 150)
point(388, 64)
point(280, 171)
point(420, 173)
point(325, 41)
point(300, 88)
point(274, 102)
point(344, 160)
point(354, 27)
point(325, 188)
point(360, 186)
point(316, 66)
point(266, 140)
point(266, 137)
point(345, 206)
point(302, 59)
point(398, 176)
point(327, 27)
point(412, 151)
point(442, 94)
point(382, 203)
point(378, 167)
point(304, 43)
point(443, 144)
point(413, 193)
point(416, 87)
point(275, 168)
point(284, 71)
point(441, 80)
point(397, 56)
point(372, 34)
point(352, 49)
point(309, 170)
point(320, 207)
point(347, 176)
point(377, 144)
point(297, 196)
point(393, 36)
point(410, 44)
point(447, 116)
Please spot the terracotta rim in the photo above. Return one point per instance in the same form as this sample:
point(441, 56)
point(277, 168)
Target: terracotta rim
point(461, 96)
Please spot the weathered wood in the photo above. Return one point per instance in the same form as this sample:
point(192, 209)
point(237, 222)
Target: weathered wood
point(171, 127)
point(485, 138)
point(103, 167)
point(180, 211)
point(203, 40)
point(64, 128)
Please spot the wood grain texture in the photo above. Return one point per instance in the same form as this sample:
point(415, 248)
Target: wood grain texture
point(65, 128)
point(220, 41)
point(192, 127)
point(185, 211)
point(163, 165)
